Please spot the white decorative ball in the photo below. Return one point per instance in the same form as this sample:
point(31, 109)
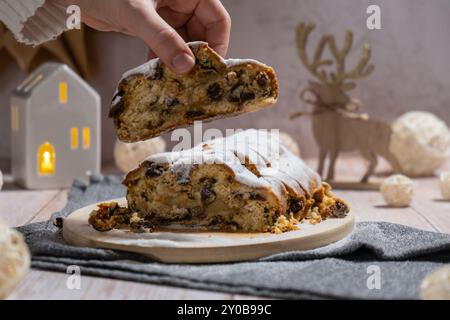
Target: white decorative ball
point(290, 143)
point(397, 190)
point(445, 185)
point(436, 286)
point(129, 155)
point(14, 259)
point(420, 142)
point(1, 180)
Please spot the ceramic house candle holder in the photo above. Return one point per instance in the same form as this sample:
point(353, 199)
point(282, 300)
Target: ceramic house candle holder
point(55, 123)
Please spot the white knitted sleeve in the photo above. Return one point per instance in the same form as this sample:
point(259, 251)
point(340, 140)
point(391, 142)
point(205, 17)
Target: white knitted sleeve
point(33, 21)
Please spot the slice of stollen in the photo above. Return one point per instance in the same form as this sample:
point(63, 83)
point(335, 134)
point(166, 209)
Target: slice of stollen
point(244, 182)
point(152, 99)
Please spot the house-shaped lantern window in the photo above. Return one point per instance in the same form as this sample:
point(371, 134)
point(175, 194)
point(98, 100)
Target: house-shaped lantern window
point(55, 128)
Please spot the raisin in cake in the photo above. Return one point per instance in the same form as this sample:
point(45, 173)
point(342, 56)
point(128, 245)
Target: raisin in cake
point(248, 181)
point(152, 99)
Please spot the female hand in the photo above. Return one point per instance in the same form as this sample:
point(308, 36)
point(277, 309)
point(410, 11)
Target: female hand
point(164, 25)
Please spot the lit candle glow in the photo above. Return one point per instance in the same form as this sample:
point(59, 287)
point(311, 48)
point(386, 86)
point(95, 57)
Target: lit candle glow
point(46, 159)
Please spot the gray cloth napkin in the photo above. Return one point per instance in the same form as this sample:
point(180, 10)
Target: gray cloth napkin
point(398, 256)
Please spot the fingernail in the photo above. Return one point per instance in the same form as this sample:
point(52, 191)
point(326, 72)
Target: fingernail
point(183, 63)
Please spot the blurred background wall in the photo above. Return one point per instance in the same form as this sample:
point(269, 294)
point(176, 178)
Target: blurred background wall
point(411, 54)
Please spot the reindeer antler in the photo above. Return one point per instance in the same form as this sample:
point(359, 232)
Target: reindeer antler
point(303, 32)
point(361, 70)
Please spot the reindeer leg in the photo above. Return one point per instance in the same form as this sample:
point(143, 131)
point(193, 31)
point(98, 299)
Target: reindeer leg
point(373, 161)
point(321, 167)
point(333, 157)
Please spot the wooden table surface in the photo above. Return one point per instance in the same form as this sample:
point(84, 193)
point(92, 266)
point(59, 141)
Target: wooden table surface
point(19, 207)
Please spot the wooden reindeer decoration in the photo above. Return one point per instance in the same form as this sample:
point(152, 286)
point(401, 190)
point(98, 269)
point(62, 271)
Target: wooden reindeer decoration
point(337, 123)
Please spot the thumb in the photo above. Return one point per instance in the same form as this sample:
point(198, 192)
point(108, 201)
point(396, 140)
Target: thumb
point(165, 42)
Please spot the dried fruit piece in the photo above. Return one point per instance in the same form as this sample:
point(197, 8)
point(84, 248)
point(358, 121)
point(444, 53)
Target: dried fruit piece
point(109, 216)
point(256, 196)
point(262, 79)
point(232, 78)
point(247, 96)
point(154, 170)
point(139, 224)
point(194, 114)
point(296, 206)
point(207, 193)
point(339, 209)
point(170, 102)
point(215, 92)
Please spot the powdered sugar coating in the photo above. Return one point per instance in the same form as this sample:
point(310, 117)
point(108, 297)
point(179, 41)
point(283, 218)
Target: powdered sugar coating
point(235, 62)
point(276, 167)
point(148, 69)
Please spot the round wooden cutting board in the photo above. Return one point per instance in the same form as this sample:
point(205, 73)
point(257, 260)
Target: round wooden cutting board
point(186, 246)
